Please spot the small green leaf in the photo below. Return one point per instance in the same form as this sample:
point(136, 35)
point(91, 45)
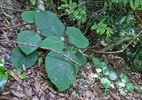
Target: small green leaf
point(130, 87)
point(20, 75)
point(29, 16)
point(18, 58)
point(30, 41)
point(124, 78)
point(76, 37)
point(53, 42)
point(95, 26)
point(140, 89)
point(105, 71)
point(106, 91)
point(112, 75)
point(49, 24)
point(3, 80)
point(98, 70)
point(40, 61)
point(121, 84)
point(96, 62)
point(103, 64)
point(1, 67)
point(105, 82)
point(122, 90)
point(33, 2)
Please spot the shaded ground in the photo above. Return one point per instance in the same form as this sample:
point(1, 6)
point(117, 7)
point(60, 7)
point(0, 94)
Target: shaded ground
point(37, 86)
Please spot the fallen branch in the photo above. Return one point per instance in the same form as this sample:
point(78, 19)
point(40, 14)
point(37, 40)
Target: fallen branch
point(13, 27)
point(20, 43)
point(119, 42)
point(12, 9)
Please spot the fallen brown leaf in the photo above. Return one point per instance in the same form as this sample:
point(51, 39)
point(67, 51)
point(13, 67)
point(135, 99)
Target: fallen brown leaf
point(37, 85)
point(15, 76)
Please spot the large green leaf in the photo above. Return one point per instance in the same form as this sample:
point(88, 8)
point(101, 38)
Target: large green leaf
point(3, 80)
point(76, 37)
point(28, 38)
point(60, 70)
point(53, 42)
point(49, 24)
point(29, 16)
point(18, 58)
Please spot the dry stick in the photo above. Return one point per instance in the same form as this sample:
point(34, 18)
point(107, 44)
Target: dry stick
point(43, 48)
point(12, 9)
point(12, 27)
point(122, 49)
point(116, 43)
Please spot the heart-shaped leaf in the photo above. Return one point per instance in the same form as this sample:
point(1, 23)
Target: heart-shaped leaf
point(112, 75)
point(30, 41)
point(60, 70)
point(105, 71)
point(96, 62)
point(130, 87)
point(103, 65)
point(49, 24)
point(76, 37)
point(124, 78)
point(53, 42)
point(29, 16)
point(18, 58)
point(105, 82)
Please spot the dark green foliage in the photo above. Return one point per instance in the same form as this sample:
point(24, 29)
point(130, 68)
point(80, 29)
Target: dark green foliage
point(49, 24)
point(19, 59)
point(30, 38)
point(62, 65)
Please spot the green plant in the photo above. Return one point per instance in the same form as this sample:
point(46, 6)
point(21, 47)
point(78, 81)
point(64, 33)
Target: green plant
point(102, 29)
point(61, 62)
point(3, 76)
point(103, 74)
point(75, 12)
point(33, 2)
point(140, 89)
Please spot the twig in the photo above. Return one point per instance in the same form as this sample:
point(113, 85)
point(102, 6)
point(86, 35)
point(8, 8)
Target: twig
point(12, 9)
point(119, 50)
point(43, 48)
point(12, 27)
point(116, 43)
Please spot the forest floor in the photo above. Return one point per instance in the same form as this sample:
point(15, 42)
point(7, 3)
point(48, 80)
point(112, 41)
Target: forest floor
point(37, 85)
